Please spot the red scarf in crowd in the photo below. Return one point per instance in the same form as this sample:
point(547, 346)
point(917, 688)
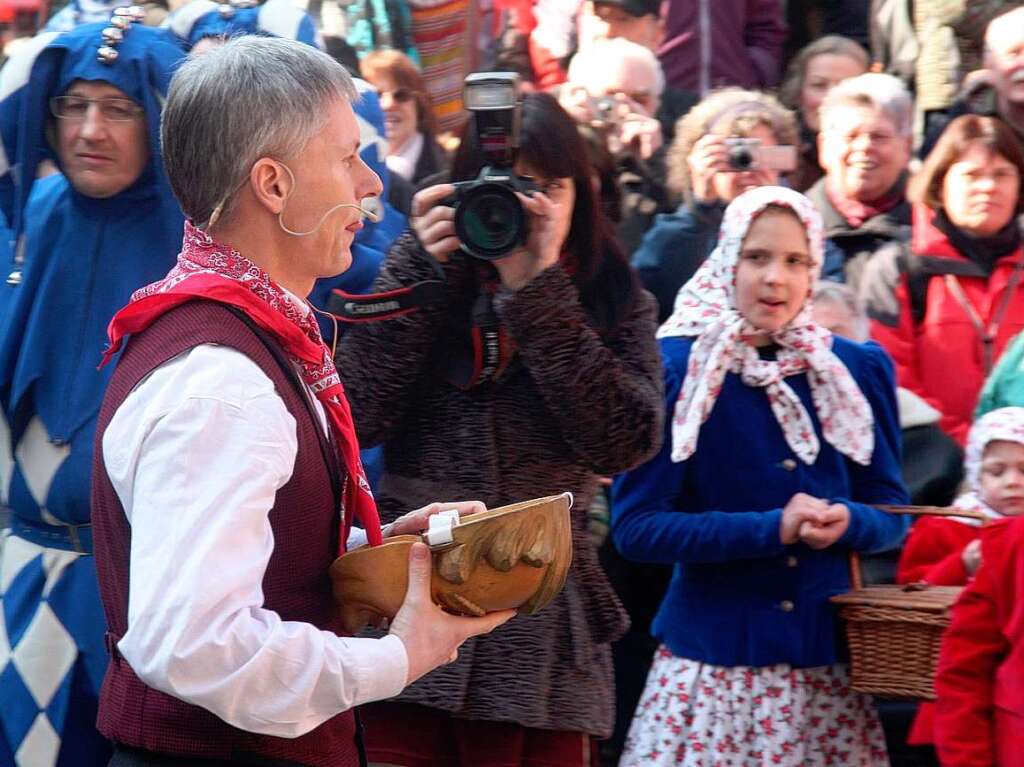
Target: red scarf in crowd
point(208, 270)
point(857, 213)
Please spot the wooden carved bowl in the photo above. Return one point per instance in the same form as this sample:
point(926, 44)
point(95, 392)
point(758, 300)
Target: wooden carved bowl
point(513, 557)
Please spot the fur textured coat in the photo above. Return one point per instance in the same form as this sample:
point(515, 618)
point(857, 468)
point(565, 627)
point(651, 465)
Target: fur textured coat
point(575, 404)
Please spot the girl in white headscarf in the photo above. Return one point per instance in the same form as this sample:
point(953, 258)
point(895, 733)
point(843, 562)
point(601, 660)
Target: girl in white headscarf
point(781, 441)
point(947, 552)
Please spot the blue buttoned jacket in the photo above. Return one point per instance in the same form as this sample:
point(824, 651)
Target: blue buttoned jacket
point(738, 596)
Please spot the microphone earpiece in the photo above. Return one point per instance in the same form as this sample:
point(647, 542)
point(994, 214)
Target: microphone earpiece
point(373, 215)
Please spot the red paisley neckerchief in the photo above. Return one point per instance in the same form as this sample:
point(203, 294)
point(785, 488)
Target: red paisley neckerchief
point(211, 271)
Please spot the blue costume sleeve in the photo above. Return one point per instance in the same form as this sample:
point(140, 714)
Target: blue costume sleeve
point(881, 481)
point(306, 32)
point(649, 526)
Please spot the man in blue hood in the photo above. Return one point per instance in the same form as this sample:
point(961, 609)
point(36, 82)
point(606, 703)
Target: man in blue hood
point(82, 240)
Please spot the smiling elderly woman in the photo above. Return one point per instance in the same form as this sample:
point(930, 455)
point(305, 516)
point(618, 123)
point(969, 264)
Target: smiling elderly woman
point(813, 73)
point(864, 148)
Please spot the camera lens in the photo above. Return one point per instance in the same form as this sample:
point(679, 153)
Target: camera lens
point(490, 221)
point(606, 108)
point(740, 158)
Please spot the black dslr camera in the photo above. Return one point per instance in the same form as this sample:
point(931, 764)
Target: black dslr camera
point(489, 220)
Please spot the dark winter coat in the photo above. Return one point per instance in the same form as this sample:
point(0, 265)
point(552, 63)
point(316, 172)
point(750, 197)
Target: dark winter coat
point(848, 248)
point(573, 405)
point(674, 247)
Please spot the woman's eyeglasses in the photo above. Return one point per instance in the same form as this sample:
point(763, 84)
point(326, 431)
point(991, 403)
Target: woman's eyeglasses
point(111, 109)
point(400, 95)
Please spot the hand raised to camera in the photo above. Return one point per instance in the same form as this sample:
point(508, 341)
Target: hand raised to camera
point(434, 223)
point(642, 134)
point(549, 228)
point(709, 156)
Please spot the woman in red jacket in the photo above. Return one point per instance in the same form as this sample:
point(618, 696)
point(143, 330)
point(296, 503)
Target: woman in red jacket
point(979, 713)
point(947, 552)
point(946, 309)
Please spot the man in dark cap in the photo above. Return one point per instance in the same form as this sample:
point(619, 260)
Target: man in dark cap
point(638, 21)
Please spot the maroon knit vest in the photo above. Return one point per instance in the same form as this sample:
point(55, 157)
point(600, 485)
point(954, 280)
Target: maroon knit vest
point(296, 583)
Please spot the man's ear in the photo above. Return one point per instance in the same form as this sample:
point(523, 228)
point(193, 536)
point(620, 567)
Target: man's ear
point(270, 184)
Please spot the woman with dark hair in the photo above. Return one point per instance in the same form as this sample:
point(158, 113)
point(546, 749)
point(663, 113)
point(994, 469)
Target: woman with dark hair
point(533, 374)
point(954, 298)
point(413, 151)
point(814, 71)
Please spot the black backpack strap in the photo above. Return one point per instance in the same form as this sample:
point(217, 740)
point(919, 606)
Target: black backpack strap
point(912, 267)
point(919, 270)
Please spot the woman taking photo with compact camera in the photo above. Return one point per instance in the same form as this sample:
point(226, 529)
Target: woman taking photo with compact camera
point(567, 391)
point(701, 170)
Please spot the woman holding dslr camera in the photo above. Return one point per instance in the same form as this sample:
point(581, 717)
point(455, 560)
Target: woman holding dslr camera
point(574, 394)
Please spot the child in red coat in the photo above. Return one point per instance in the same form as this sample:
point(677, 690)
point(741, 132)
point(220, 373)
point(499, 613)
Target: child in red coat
point(947, 552)
point(979, 714)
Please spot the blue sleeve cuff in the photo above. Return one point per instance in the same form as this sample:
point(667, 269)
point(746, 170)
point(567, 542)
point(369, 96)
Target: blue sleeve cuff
point(871, 529)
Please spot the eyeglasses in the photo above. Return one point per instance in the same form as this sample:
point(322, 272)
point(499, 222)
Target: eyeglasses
point(400, 95)
point(111, 109)
point(876, 137)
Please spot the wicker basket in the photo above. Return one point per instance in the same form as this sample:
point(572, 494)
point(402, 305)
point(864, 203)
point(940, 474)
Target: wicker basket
point(894, 632)
point(894, 637)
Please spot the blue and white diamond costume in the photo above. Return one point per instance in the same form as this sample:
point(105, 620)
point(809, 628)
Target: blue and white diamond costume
point(74, 261)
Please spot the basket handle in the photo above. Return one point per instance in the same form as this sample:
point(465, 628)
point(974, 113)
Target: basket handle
point(856, 580)
point(934, 511)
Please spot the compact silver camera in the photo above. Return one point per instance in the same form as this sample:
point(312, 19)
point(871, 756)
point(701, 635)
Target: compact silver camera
point(750, 154)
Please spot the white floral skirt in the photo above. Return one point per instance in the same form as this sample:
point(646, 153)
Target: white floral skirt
point(694, 714)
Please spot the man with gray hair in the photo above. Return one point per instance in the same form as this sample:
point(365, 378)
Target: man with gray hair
point(996, 90)
point(863, 147)
point(227, 474)
point(614, 91)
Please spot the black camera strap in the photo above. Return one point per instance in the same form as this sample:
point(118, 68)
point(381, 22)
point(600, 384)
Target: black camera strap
point(371, 307)
point(489, 349)
point(472, 355)
point(476, 349)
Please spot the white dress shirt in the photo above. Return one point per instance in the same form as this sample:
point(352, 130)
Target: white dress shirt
point(403, 162)
point(196, 454)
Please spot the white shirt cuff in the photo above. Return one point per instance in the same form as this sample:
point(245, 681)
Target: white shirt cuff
point(383, 668)
point(356, 538)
